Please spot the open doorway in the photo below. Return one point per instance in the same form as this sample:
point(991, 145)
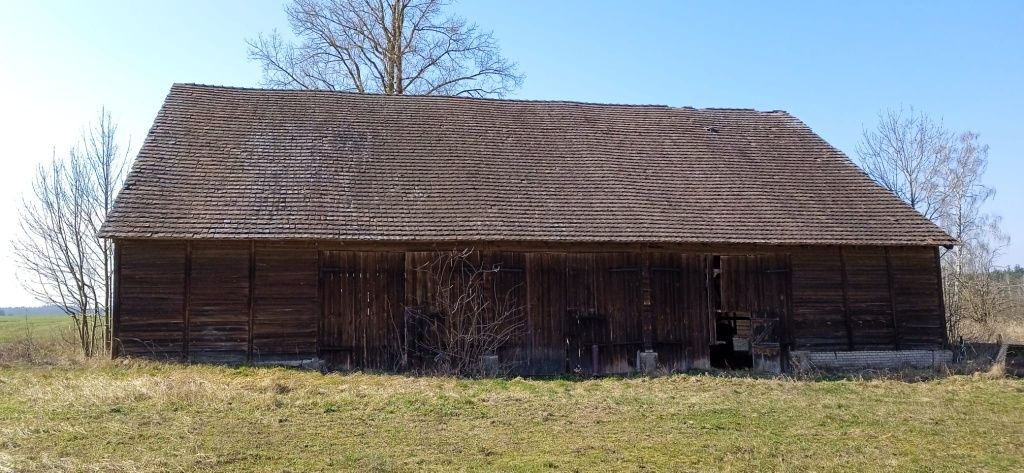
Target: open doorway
point(748, 297)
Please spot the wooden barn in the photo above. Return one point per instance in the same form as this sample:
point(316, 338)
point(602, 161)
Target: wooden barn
point(293, 227)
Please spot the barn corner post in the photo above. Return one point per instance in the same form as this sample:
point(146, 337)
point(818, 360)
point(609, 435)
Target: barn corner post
point(115, 310)
point(946, 342)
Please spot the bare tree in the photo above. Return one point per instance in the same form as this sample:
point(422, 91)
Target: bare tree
point(903, 155)
point(392, 47)
point(62, 260)
point(465, 318)
point(940, 173)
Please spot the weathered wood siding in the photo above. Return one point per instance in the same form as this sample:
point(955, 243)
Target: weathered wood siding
point(150, 319)
point(363, 294)
point(586, 311)
point(285, 301)
point(866, 299)
point(218, 301)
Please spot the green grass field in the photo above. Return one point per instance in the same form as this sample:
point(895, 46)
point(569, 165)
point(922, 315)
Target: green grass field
point(38, 327)
point(125, 415)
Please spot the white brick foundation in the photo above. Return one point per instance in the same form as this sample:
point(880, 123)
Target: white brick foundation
point(880, 359)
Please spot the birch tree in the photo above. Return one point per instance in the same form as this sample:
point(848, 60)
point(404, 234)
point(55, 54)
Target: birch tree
point(940, 173)
point(391, 47)
point(61, 260)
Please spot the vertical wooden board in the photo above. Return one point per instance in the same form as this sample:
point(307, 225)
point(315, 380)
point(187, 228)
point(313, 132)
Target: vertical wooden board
point(584, 325)
point(619, 300)
point(219, 301)
point(740, 277)
point(920, 320)
point(508, 296)
point(286, 303)
point(868, 299)
point(545, 283)
point(339, 278)
point(151, 281)
point(817, 321)
point(669, 303)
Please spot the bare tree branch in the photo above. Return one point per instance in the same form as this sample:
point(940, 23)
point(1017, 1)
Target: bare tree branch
point(61, 260)
point(939, 173)
point(392, 47)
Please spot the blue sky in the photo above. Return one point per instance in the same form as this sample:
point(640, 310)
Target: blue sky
point(832, 64)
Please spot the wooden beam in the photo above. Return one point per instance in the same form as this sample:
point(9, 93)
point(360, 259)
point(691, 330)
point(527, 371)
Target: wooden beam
point(942, 297)
point(846, 308)
point(320, 300)
point(187, 309)
point(892, 300)
point(646, 310)
point(786, 337)
point(252, 294)
point(115, 310)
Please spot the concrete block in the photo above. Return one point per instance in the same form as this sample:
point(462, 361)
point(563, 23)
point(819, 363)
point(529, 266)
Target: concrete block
point(489, 365)
point(646, 362)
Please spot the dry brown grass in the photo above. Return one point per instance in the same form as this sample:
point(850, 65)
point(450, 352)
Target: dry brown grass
point(1009, 328)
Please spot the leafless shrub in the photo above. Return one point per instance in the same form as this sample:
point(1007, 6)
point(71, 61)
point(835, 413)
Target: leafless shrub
point(61, 259)
point(464, 318)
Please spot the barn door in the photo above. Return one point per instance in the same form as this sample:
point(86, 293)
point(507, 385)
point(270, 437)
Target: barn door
point(679, 310)
point(751, 301)
point(361, 309)
point(340, 282)
point(603, 329)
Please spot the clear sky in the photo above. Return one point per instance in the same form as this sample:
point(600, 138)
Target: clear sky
point(832, 64)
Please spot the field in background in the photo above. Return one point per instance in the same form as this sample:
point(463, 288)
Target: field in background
point(59, 412)
point(36, 327)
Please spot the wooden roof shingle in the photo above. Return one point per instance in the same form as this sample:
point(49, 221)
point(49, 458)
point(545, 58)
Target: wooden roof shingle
point(237, 163)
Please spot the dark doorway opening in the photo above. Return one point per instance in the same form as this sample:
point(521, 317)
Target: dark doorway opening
point(748, 295)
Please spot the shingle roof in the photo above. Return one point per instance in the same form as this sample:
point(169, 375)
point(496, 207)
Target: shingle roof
point(274, 164)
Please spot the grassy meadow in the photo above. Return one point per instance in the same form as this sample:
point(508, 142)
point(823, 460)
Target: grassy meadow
point(34, 327)
point(62, 413)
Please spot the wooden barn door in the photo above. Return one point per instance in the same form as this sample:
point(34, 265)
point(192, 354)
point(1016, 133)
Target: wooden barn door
point(680, 311)
point(362, 295)
point(755, 300)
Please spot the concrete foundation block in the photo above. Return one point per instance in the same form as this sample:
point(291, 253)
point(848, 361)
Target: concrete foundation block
point(646, 362)
point(489, 365)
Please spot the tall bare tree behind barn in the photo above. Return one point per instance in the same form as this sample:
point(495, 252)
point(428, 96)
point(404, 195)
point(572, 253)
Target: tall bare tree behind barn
point(939, 172)
point(391, 47)
point(62, 260)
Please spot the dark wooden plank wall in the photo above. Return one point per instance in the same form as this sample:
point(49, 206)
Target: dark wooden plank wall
point(218, 306)
point(285, 301)
point(151, 298)
point(854, 298)
point(918, 297)
point(818, 319)
point(265, 300)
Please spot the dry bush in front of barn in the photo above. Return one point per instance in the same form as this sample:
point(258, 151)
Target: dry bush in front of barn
point(464, 319)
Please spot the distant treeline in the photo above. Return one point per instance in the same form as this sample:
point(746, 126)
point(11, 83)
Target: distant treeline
point(22, 311)
point(1014, 274)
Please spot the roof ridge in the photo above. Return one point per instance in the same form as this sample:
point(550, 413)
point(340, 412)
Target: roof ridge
point(476, 99)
